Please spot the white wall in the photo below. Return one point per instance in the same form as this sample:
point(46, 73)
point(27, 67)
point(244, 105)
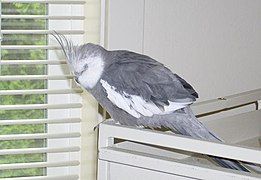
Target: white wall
point(215, 45)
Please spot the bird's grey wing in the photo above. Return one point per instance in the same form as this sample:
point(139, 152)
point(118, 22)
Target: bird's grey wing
point(142, 86)
point(142, 75)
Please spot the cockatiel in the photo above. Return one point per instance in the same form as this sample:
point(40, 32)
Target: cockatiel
point(137, 90)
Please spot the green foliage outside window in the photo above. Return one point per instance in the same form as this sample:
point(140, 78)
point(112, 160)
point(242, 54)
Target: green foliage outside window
point(22, 54)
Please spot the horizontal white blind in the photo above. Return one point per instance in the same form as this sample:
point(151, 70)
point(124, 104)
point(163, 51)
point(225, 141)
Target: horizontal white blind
point(45, 1)
point(33, 77)
point(41, 31)
point(40, 121)
point(39, 102)
point(39, 150)
point(39, 165)
point(69, 177)
point(29, 47)
point(21, 62)
point(41, 91)
point(40, 106)
point(42, 17)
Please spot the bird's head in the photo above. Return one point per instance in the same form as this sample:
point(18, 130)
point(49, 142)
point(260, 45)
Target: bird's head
point(83, 60)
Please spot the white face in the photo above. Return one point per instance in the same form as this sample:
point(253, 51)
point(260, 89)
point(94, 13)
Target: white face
point(79, 67)
point(88, 72)
point(84, 61)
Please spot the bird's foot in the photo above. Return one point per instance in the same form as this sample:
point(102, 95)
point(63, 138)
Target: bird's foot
point(108, 121)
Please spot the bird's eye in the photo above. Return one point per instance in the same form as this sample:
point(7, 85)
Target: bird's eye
point(76, 74)
point(85, 67)
point(79, 73)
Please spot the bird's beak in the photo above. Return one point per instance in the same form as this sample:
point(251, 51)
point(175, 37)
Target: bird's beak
point(76, 79)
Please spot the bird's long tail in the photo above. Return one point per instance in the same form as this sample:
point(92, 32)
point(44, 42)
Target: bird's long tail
point(186, 123)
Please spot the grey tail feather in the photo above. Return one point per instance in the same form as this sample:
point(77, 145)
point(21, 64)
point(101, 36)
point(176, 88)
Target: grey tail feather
point(227, 163)
point(253, 166)
point(195, 128)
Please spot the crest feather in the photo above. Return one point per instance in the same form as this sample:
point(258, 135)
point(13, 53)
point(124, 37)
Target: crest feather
point(67, 46)
point(70, 51)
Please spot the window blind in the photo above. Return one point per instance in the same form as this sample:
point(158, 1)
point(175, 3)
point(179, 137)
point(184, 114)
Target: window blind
point(39, 102)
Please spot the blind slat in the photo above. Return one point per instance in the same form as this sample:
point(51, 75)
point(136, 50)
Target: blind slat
point(67, 177)
point(30, 47)
point(33, 62)
point(71, 32)
point(40, 106)
point(39, 136)
point(40, 121)
point(39, 150)
point(46, 1)
point(41, 91)
point(42, 17)
point(38, 165)
point(35, 77)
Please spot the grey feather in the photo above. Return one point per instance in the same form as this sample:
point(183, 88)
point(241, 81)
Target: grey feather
point(141, 75)
point(132, 74)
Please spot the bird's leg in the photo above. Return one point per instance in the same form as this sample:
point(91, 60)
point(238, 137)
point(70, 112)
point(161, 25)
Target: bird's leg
point(97, 126)
point(109, 121)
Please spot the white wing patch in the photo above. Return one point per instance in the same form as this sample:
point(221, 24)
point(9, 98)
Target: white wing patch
point(136, 105)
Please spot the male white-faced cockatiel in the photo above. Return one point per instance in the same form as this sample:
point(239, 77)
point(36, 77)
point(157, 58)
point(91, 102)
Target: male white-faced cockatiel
point(137, 90)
